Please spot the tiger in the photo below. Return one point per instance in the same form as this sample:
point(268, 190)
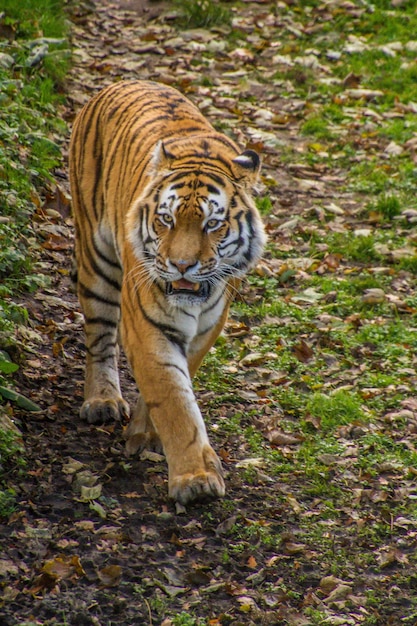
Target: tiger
point(166, 227)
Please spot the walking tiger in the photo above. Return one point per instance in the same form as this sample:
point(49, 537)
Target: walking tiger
point(165, 228)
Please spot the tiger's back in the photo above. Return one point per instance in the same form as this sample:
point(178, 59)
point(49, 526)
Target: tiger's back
point(165, 229)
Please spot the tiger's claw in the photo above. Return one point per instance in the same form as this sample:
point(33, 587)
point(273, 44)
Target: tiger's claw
point(101, 411)
point(201, 485)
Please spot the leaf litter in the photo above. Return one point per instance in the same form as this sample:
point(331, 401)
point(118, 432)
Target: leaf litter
point(93, 539)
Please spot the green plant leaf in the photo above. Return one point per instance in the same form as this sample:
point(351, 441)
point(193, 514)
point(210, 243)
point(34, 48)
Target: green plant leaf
point(7, 367)
point(20, 400)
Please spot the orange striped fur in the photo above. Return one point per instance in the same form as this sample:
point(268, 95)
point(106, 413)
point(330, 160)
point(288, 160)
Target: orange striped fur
point(165, 229)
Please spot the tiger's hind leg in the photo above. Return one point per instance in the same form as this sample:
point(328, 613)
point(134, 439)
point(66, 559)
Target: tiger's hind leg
point(99, 278)
point(140, 433)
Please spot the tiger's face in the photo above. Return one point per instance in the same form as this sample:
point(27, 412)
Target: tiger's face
point(198, 229)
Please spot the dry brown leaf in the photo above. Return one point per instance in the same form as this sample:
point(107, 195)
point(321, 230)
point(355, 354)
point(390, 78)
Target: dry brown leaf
point(294, 504)
point(391, 556)
point(62, 568)
point(341, 592)
point(279, 438)
point(329, 583)
point(110, 576)
point(55, 570)
point(251, 562)
point(237, 329)
point(290, 547)
point(373, 296)
point(197, 578)
point(303, 351)
point(252, 359)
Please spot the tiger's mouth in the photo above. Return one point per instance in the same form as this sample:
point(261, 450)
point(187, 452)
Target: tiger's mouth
point(185, 287)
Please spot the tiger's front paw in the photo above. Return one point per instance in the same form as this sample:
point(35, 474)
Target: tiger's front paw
point(102, 410)
point(202, 484)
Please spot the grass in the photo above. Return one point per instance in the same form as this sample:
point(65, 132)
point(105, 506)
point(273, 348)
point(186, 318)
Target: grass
point(203, 13)
point(361, 370)
point(29, 96)
point(12, 467)
point(336, 409)
point(317, 126)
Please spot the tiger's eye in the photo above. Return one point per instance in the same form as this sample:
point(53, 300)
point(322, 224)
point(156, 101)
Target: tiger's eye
point(212, 223)
point(166, 218)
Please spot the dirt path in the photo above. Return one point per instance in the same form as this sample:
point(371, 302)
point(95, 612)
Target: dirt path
point(95, 541)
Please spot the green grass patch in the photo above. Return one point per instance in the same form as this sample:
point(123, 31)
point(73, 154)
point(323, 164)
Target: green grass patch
point(29, 124)
point(36, 60)
point(318, 127)
point(12, 467)
point(264, 205)
point(203, 13)
point(33, 18)
point(388, 206)
point(335, 409)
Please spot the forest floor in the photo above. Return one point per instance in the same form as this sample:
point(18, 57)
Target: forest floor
point(310, 394)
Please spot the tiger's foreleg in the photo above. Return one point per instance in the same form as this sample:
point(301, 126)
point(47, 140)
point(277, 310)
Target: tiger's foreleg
point(99, 279)
point(140, 433)
point(161, 371)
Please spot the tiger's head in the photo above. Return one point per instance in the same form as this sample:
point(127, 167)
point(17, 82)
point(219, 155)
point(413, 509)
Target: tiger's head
point(196, 225)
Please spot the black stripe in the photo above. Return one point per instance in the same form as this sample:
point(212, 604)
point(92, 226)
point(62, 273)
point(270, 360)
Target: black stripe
point(206, 330)
point(249, 221)
point(105, 258)
point(101, 337)
point(194, 439)
point(172, 334)
point(194, 317)
point(235, 242)
point(101, 320)
point(97, 270)
point(183, 372)
point(215, 303)
point(212, 189)
point(99, 357)
point(89, 293)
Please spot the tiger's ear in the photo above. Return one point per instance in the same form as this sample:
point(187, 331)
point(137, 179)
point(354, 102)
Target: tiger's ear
point(247, 166)
point(161, 159)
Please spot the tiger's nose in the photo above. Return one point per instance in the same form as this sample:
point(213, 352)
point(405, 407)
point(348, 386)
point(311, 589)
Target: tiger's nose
point(183, 265)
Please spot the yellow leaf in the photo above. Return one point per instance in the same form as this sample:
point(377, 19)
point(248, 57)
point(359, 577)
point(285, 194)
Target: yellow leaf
point(110, 576)
point(251, 562)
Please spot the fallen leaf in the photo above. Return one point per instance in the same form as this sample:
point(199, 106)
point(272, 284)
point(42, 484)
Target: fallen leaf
point(246, 603)
point(329, 583)
point(251, 562)
point(197, 578)
point(391, 556)
point(90, 493)
point(341, 592)
point(72, 466)
point(8, 568)
point(279, 438)
point(373, 296)
point(226, 526)
point(98, 508)
point(363, 94)
point(55, 570)
point(252, 359)
point(290, 547)
point(63, 567)
point(110, 576)
point(302, 351)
